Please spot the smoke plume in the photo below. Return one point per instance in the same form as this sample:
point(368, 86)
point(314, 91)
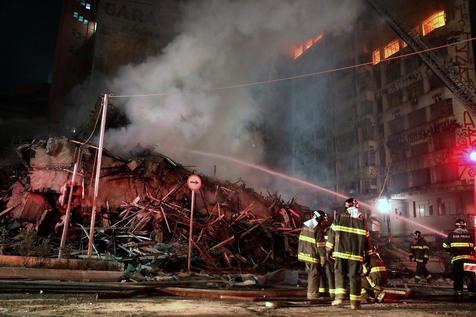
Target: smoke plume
point(220, 43)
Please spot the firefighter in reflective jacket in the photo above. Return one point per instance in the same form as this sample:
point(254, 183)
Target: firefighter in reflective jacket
point(419, 251)
point(460, 244)
point(348, 244)
point(310, 239)
point(374, 277)
point(328, 278)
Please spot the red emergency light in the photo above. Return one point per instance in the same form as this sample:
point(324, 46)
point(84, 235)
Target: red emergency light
point(472, 156)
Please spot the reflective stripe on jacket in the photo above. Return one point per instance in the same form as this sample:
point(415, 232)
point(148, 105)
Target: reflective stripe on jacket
point(375, 271)
point(310, 240)
point(348, 238)
point(420, 250)
point(460, 244)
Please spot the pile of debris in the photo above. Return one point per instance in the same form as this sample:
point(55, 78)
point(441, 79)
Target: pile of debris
point(144, 213)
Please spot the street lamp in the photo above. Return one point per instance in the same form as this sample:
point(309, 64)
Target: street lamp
point(384, 207)
point(383, 204)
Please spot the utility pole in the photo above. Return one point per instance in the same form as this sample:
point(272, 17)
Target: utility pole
point(98, 172)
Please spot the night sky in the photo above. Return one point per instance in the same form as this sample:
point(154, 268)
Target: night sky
point(29, 35)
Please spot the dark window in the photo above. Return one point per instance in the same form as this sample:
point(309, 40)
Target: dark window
point(415, 90)
point(392, 71)
point(400, 181)
point(419, 149)
point(421, 177)
point(412, 64)
point(398, 154)
point(441, 109)
point(396, 125)
point(435, 82)
point(430, 210)
point(394, 99)
point(417, 118)
point(414, 209)
point(446, 173)
point(444, 140)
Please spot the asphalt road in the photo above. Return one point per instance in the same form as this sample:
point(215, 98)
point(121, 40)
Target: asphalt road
point(87, 305)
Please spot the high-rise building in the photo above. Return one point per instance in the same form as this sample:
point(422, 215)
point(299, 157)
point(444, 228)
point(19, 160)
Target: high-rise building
point(389, 128)
point(100, 36)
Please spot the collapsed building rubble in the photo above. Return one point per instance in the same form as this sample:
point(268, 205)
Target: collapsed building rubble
point(144, 206)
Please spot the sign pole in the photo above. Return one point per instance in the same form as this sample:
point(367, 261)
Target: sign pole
point(190, 231)
point(194, 182)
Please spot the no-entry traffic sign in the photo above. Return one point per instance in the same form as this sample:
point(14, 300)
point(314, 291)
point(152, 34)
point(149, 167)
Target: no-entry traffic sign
point(194, 182)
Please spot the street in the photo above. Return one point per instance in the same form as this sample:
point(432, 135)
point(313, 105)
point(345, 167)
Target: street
point(87, 305)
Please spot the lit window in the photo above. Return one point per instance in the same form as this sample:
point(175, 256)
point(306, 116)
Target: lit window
point(376, 57)
point(404, 44)
point(80, 18)
point(298, 51)
point(435, 21)
point(85, 21)
point(75, 14)
point(307, 45)
point(391, 48)
point(88, 6)
point(95, 26)
point(83, 2)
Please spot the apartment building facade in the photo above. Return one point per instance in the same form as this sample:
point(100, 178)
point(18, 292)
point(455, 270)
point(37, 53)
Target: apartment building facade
point(425, 132)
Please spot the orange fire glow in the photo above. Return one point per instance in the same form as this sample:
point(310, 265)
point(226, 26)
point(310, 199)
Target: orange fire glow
point(435, 21)
point(299, 50)
point(428, 25)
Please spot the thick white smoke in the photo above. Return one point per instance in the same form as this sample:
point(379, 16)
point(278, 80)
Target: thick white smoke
point(220, 43)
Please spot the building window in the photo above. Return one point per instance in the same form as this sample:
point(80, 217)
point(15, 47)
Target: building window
point(394, 99)
point(396, 125)
point(419, 149)
point(422, 210)
point(421, 177)
point(376, 57)
point(441, 109)
point(434, 22)
point(441, 207)
point(446, 173)
point(414, 209)
point(85, 21)
point(75, 14)
point(88, 6)
point(444, 140)
point(399, 181)
point(391, 48)
point(417, 118)
point(415, 90)
point(80, 18)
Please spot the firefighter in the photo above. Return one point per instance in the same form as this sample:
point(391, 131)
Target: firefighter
point(328, 269)
point(419, 252)
point(374, 277)
point(348, 244)
point(310, 239)
point(461, 246)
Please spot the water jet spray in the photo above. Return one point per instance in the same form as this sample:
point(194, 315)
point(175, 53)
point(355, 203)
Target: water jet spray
point(304, 183)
